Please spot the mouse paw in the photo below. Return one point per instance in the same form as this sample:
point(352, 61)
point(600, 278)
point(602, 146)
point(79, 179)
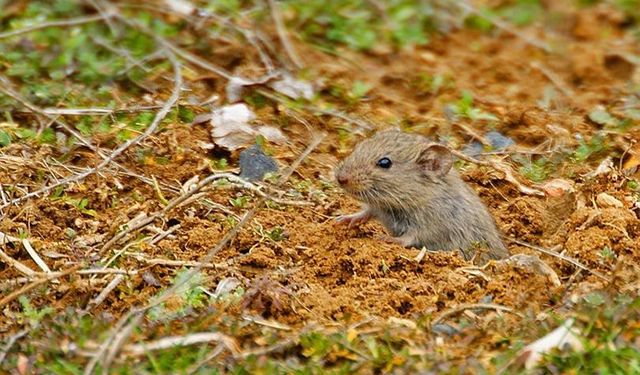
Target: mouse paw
point(352, 219)
point(405, 241)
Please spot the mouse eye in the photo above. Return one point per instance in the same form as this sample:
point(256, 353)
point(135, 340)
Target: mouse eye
point(384, 163)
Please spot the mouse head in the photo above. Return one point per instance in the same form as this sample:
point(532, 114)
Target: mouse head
point(394, 169)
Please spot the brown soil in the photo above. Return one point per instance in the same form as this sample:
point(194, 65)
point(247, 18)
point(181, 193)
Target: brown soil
point(332, 273)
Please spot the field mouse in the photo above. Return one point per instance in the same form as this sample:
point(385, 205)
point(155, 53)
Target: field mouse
point(407, 182)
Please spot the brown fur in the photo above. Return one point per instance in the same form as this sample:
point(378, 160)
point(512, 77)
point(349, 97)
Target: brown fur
point(420, 199)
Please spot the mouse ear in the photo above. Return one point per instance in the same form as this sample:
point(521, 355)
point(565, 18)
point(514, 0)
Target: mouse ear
point(436, 159)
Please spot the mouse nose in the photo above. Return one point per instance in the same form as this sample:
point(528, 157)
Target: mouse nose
point(342, 179)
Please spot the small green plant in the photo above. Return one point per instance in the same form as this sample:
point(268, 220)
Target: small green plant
point(186, 114)
point(464, 108)
point(315, 345)
point(5, 138)
point(190, 295)
point(358, 91)
point(586, 149)
point(518, 12)
point(607, 255)
point(80, 204)
point(231, 221)
point(359, 25)
point(303, 186)
point(276, 234)
point(431, 84)
point(219, 164)
point(33, 315)
point(602, 117)
point(239, 202)
point(537, 170)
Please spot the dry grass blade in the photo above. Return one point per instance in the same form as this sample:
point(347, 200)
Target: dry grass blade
point(282, 34)
point(61, 23)
point(115, 341)
point(557, 81)
point(508, 173)
point(37, 283)
point(470, 306)
point(106, 291)
point(563, 257)
point(160, 115)
point(505, 26)
point(14, 263)
point(174, 341)
point(138, 224)
point(35, 256)
point(361, 124)
point(210, 357)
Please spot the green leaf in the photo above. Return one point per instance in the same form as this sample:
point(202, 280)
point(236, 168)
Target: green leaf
point(48, 136)
point(360, 89)
point(5, 138)
point(602, 117)
point(594, 299)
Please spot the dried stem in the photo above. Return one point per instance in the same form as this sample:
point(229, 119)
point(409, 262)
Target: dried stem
point(37, 283)
point(61, 23)
point(114, 343)
point(470, 306)
point(508, 173)
point(282, 34)
point(505, 26)
point(160, 115)
point(563, 257)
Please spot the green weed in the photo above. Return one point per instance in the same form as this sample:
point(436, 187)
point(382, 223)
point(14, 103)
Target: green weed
point(464, 108)
point(587, 149)
point(537, 170)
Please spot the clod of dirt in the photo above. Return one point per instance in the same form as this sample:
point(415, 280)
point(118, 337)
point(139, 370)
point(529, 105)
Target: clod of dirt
point(498, 141)
point(606, 200)
point(558, 187)
point(255, 164)
point(473, 149)
point(619, 66)
point(534, 264)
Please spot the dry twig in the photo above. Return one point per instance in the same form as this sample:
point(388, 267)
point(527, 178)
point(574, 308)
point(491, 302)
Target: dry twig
point(505, 26)
point(160, 115)
point(190, 339)
point(4, 239)
point(470, 306)
point(37, 283)
point(508, 173)
point(123, 329)
point(60, 23)
point(563, 257)
point(554, 78)
point(35, 256)
point(106, 291)
point(282, 34)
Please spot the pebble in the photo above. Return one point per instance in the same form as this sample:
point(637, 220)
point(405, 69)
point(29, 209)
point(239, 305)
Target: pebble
point(444, 329)
point(498, 141)
point(606, 200)
point(255, 164)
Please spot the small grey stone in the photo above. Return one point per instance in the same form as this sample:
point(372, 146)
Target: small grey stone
point(486, 299)
point(444, 329)
point(473, 149)
point(498, 141)
point(254, 164)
